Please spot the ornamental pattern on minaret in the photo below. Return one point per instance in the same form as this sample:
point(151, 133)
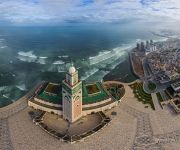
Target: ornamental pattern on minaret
point(72, 96)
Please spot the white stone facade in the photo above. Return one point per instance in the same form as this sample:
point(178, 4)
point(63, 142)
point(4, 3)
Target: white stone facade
point(72, 96)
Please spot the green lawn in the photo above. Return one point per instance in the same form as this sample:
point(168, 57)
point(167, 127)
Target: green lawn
point(117, 93)
point(151, 86)
point(141, 95)
point(159, 97)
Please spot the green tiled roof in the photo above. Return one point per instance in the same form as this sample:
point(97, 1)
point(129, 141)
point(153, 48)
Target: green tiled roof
point(93, 98)
point(56, 99)
point(87, 98)
point(51, 98)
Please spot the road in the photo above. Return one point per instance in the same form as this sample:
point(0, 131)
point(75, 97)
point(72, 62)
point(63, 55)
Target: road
point(150, 76)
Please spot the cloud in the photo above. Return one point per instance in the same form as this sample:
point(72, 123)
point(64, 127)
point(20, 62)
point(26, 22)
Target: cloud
point(57, 11)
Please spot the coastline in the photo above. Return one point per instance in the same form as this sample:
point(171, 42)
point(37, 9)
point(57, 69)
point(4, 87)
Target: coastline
point(19, 104)
point(109, 76)
point(132, 68)
point(123, 72)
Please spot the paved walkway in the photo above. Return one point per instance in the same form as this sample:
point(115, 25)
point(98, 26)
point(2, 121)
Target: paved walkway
point(5, 140)
point(13, 108)
point(156, 102)
point(145, 138)
point(144, 133)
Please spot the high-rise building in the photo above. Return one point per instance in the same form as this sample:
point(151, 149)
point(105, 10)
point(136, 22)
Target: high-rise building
point(151, 42)
point(72, 96)
point(142, 47)
point(147, 44)
point(138, 47)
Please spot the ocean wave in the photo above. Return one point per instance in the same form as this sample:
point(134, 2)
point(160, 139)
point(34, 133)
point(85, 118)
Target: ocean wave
point(89, 73)
point(2, 44)
point(2, 88)
point(5, 46)
point(57, 68)
point(61, 69)
point(114, 54)
point(22, 87)
point(41, 60)
point(116, 63)
point(27, 56)
point(31, 57)
point(97, 74)
point(63, 56)
point(138, 40)
point(5, 96)
point(100, 57)
point(106, 61)
point(59, 62)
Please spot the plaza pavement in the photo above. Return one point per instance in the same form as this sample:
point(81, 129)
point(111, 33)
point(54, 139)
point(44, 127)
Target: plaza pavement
point(134, 127)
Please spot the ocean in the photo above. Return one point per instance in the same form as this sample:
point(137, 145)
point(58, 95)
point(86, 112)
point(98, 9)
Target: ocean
point(29, 55)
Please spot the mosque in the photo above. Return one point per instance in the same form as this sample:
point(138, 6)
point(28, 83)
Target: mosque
point(73, 99)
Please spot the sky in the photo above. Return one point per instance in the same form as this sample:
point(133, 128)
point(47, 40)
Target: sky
point(34, 12)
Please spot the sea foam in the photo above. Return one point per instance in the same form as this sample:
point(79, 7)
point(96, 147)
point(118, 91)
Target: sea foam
point(113, 54)
point(59, 62)
point(63, 56)
point(89, 73)
point(27, 56)
point(31, 57)
point(106, 61)
point(41, 60)
point(4, 46)
point(21, 87)
point(2, 88)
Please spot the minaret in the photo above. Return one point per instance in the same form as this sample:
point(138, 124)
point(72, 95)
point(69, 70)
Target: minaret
point(72, 96)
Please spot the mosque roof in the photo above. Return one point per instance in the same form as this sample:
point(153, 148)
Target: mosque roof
point(91, 93)
point(51, 93)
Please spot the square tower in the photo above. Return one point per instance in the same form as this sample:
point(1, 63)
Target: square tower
point(72, 96)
